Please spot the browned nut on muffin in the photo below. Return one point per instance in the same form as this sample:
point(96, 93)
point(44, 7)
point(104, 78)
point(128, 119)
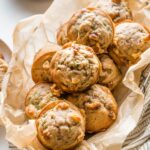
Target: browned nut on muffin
point(99, 105)
point(110, 75)
point(118, 10)
point(130, 40)
point(60, 126)
point(75, 68)
point(40, 67)
point(89, 26)
point(3, 70)
point(39, 96)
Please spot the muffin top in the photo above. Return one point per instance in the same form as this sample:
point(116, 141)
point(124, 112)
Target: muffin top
point(75, 68)
point(89, 26)
point(130, 40)
point(110, 75)
point(39, 96)
point(118, 10)
point(94, 98)
point(99, 105)
point(60, 125)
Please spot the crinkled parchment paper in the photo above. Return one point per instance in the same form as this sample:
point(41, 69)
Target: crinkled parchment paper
point(32, 34)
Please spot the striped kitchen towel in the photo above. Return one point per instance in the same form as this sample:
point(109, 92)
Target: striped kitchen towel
point(138, 138)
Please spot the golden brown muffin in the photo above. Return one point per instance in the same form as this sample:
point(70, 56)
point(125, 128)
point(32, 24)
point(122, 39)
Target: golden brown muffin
point(110, 75)
point(99, 105)
point(130, 41)
point(1, 56)
point(3, 70)
point(60, 126)
point(62, 34)
point(89, 26)
point(75, 68)
point(39, 96)
point(40, 67)
point(118, 10)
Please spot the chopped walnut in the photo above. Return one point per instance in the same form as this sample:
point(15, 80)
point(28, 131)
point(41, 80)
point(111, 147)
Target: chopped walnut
point(46, 65)
point(93, 106)
point(62, 106)
point(75, 118)
point(55, 90)
point(112, 115)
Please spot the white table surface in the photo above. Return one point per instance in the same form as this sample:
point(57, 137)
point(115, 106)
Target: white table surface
point(11, 11)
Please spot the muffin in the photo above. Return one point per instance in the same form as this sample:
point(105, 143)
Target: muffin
point(110, 75)
point(3, 70)
point(89, 26)
point(40, 67)
point(60, 126)
point(1, 56)
point(75, 68)
point(62, 34)
point(118, 10)
point(38, 96)
point(99, 105)
point(130, 41)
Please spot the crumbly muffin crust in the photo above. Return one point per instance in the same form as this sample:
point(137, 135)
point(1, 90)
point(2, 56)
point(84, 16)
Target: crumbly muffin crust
point(39, 96)
point(130, 41)
point(75, 68)
point(110, 75)
point(60, 126)
point(99, 105)
point(118, 10)
point(91, 27)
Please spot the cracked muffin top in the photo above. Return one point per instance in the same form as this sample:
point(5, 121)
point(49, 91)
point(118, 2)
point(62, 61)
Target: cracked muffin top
point(75, 67)
point(118, 10)
point(60, 126)
point(39, 96)
point(88, 26)
point(130, 40)
point(99, 105)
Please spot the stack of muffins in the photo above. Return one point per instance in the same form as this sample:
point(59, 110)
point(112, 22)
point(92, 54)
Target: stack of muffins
point(74, 81)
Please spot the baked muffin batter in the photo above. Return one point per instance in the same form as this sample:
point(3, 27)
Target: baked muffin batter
point(1, 56)
point(60, 126)
point(118, 10)
point(62, 34)
point(110, 75)
point(75, 67)
point(99, 105)
point(39, 96)
point(40, 68)
point(130, 40)
point(91, 27)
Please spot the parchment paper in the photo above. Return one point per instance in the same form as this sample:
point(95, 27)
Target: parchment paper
point(32, 34)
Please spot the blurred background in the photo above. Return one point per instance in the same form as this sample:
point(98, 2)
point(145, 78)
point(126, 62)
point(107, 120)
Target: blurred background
point(11, 12)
